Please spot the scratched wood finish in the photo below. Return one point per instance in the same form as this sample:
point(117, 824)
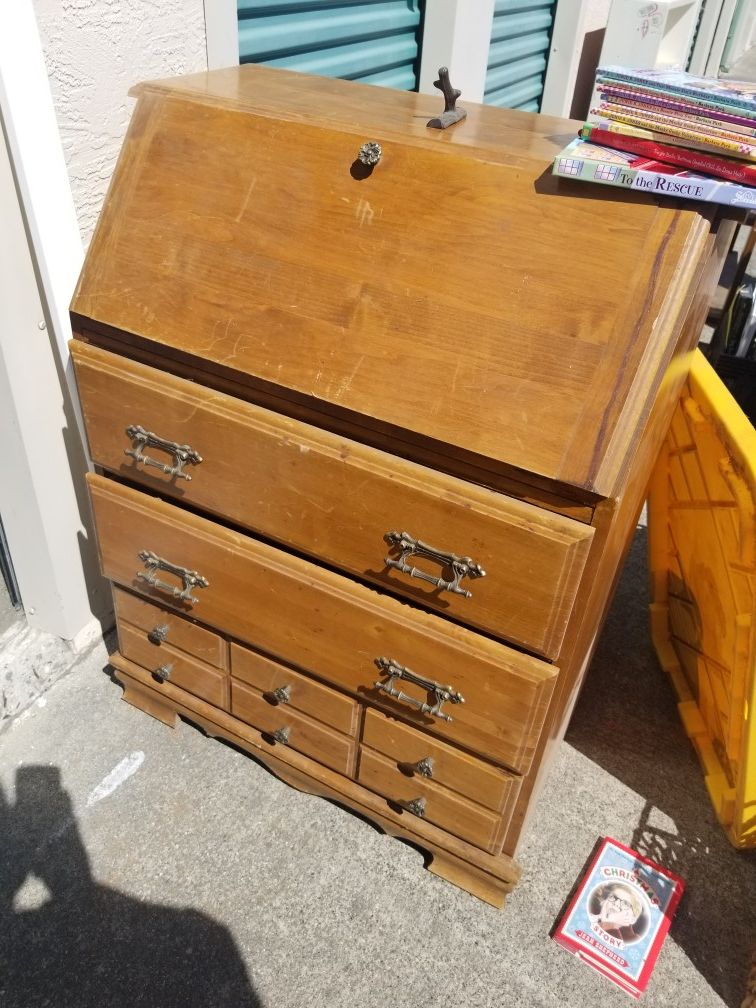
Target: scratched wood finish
point(454, 769)
point(303, 733)
point(304, 694)
point(180, 632)
point(444, 808)
point(451, 296)
point(321, 622)
point(185, 671)
point(336, 499)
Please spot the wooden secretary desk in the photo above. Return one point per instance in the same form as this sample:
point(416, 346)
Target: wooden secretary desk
point(371, 439)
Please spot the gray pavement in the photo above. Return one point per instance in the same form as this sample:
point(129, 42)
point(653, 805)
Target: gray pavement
point(142, 866)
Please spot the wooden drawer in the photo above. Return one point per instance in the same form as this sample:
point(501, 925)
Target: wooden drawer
point(183, 670)
point(463, 818)
point(336, 499)
point(326, 624)
point(458, 771)
point(328, 747)
point(301, 693)
point(161, 624)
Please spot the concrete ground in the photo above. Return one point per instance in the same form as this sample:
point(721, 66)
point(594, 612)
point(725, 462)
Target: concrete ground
point(142, 866)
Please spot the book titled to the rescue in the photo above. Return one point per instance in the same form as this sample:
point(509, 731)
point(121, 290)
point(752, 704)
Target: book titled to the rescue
point(618, 918)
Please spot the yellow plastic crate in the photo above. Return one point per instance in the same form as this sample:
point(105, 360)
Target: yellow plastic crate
point(702, 548)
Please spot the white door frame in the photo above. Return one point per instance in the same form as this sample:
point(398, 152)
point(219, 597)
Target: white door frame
point(222, 33)
point(43, 502)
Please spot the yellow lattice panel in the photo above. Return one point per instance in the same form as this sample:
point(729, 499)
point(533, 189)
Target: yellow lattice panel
point(702, 545)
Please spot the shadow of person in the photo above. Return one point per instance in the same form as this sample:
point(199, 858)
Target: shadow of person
point(627, 722)
point(86, 944)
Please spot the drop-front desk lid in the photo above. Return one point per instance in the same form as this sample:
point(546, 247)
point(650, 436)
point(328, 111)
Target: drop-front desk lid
point(456, 295)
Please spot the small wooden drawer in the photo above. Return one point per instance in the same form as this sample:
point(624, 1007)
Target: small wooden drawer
point(280, 477)
point(418, 796)
point(325, 624)
point(295, 690)
point(168, 663)
point(161, 625)
point(321, 743)
point(418, 755)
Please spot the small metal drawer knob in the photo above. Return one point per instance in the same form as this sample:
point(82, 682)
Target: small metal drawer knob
point(370, 153)
point(282, 694)
point(163, 672)
point(424, 767)
point(282, 735)
point(416, 806)
point(158, 634)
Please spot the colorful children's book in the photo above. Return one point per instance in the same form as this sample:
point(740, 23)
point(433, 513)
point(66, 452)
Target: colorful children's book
point(659, 119)
point(697, 161)
point(719, 93)
point(620, 914)
point(650, 99)
point(675, 134)
point(588, 162)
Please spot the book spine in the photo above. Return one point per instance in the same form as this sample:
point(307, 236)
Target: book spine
point(653, 183)
point(658, 118)
point(663, 102)
point(746, 152)
point(733, 171)
point(688, 91)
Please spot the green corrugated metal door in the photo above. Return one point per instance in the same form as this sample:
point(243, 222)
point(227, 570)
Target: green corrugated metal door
point(372, 41)
point(520, 40)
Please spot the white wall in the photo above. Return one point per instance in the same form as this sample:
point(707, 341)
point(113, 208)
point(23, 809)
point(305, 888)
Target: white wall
point(95, 50)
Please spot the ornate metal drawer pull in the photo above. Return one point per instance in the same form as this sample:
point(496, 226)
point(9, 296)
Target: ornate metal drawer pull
point(163, 672)
point(281, 695)
point(416, 806)
point(442, 694)
point(158, 634)
point(182, 454)
point(190, 579)
point(409, 546)
point(282, 735)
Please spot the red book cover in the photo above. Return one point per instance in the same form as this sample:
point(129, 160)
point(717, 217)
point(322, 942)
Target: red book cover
point(620, 914)
point(711, 164)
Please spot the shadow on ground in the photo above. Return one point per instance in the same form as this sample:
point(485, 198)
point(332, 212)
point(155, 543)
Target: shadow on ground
point(626, 721)
point(80, 944)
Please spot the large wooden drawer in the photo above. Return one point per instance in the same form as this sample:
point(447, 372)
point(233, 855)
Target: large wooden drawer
point(336, 499)
point(326, 624)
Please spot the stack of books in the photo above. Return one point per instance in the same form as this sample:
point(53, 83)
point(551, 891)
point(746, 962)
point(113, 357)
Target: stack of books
point(668, 133)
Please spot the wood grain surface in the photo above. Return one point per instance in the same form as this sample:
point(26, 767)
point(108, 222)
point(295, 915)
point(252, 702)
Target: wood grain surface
point(454, 769)
point(304, 694)
point(181, 633)
point(321, 622)
point(452, 296)
point(183, 670)
point(307, 736)
point(336, 499)
point(463, 818)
